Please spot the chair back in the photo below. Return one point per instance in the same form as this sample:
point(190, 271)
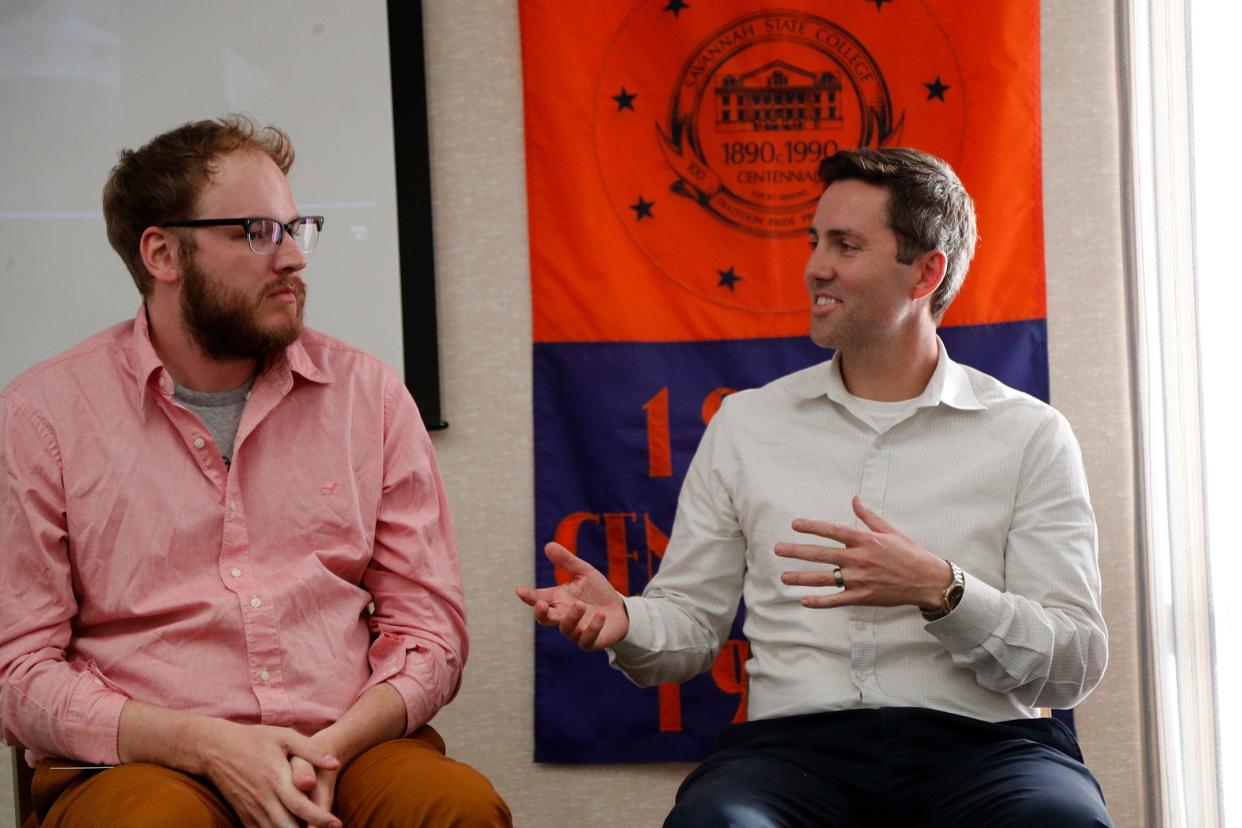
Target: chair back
point(23, 776)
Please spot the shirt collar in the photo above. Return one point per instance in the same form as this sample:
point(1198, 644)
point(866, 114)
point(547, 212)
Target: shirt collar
point(148, 368)
point(949, 384)
point(143, 359)
point(300, 363)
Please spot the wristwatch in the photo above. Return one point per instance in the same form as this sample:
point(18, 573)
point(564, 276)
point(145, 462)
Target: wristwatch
point(952, 595)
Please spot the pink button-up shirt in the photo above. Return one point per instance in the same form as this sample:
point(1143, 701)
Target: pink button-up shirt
point(135, 564)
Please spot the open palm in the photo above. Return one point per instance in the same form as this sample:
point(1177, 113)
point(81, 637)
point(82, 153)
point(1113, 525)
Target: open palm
point(586, 609)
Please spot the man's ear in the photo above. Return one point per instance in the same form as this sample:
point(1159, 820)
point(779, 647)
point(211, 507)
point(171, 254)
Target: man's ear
point(932, 267)
point(159, 253)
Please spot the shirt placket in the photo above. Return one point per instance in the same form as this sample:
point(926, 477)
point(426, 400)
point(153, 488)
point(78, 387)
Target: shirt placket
point(872, 489)
point(257, 607)
point(254, 599)
point(196, 437)
point(254, 595)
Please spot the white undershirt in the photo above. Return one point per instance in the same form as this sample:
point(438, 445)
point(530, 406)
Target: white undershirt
point(884, 415)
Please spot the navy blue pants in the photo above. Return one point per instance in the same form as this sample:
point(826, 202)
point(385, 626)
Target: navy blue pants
point(893, 766)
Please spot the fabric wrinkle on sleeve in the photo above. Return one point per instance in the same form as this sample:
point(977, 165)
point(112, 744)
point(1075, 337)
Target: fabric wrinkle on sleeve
point(641, 636)
point(679, 624)
point(419, 641)
point(1043, 637)
point(51, 706)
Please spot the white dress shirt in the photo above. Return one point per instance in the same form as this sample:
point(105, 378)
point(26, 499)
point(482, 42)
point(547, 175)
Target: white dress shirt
point(978, 473)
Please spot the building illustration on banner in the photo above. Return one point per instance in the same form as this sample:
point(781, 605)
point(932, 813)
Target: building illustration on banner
point(765, 100)
point(771, 71)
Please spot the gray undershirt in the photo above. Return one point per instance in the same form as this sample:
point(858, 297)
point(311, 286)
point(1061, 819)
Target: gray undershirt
point(220, 411)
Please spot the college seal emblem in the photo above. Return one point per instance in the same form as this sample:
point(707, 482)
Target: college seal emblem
point(771, 118)
point(709, 151)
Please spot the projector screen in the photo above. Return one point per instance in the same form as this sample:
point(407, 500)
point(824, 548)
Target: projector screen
point(82, 79)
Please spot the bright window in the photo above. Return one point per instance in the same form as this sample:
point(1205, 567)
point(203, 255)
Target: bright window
point(1187, 294)
point(1214, 27)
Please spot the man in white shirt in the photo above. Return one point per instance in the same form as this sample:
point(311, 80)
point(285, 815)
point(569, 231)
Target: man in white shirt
point(897, 662)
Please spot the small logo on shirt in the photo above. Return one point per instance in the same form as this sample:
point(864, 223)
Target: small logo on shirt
point(329, 487)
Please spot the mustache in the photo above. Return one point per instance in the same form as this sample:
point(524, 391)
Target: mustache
point(291, 283)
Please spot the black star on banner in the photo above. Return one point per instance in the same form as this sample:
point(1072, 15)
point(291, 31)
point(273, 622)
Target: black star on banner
point(642, 209)
point(625, 100)
point(879, 4)
point(675, 6)
point(728, 278)
point(936, 89)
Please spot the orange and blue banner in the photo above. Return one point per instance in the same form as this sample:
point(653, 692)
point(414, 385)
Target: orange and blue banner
point(671, 150)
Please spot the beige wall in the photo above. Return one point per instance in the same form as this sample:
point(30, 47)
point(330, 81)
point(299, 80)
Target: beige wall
point(475, 99)
point(1091, 380)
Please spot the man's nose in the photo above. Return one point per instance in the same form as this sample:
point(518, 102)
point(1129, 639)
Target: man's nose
point(289, 257)
point(819, 265)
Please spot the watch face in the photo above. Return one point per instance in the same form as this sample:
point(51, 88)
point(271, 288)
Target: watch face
point(953, 595)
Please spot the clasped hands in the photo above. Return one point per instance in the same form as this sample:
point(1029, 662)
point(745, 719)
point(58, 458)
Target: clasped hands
point(879, 567)
point(271, 776)
point(318, 782)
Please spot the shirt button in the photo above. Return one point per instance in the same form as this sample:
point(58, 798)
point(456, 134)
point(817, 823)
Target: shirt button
point(265, 675)
point(255, 602)
point(235, 572)
point(97, 681)
point(199, 442)
point(859, 675)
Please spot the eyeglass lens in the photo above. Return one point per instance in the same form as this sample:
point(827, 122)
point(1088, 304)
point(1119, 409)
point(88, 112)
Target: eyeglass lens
point(265, 235)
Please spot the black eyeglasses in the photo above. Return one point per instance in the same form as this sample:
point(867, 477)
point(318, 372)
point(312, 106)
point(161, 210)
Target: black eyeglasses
point(265, 234)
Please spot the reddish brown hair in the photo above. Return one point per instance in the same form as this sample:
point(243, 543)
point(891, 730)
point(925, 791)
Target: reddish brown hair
point(161, 181)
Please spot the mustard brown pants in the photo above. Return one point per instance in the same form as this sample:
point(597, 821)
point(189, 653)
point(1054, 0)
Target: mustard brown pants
point(404, 782)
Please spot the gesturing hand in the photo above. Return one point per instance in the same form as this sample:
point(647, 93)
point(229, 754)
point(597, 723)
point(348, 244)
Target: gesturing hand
point(250, 766)
point(879, 568)
point(587, 610)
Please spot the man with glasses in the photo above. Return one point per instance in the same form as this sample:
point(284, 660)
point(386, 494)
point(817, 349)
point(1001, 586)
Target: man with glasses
point(228, 567)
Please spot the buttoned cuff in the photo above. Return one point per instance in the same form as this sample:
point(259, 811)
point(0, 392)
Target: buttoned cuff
point(640, 640)
point(419, 709)
point(975, 618)
point(415, 672)
point(93, 719)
